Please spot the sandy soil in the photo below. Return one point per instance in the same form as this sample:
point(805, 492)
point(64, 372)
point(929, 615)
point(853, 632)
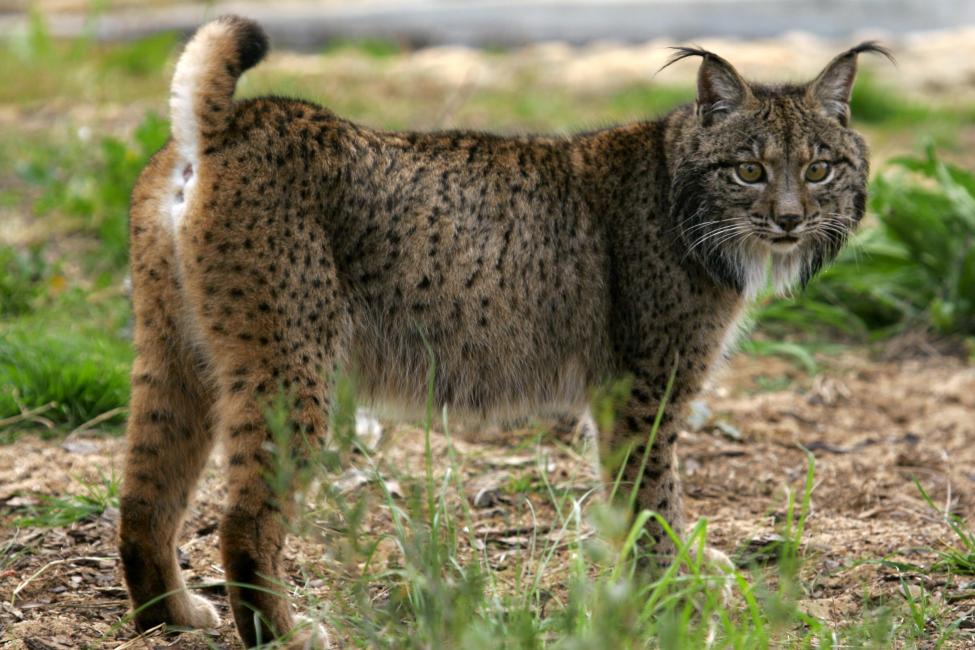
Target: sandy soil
point(873, 426)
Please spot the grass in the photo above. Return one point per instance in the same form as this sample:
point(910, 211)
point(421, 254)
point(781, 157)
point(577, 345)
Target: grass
point(62, 511)
point(62, 378)
point(376, 48)
point(429, 580)
point(23, 275)
point(961, 559)
point(64, 335)
point(86, 185)
point(37, 67)
point(878, 105)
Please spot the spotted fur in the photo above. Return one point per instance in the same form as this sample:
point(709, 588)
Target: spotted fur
point(273, 241)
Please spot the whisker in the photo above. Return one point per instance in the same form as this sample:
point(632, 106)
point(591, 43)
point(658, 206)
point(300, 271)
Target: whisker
point(719, 236)
point(713, 234)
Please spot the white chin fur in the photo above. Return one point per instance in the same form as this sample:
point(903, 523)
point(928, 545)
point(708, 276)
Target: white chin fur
point(752, 266)
point(754, 276)
point(784, 263)
point(787, 269)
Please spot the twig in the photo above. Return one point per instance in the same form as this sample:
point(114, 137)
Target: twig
point(131, 643)
point(959, 596)
point(514, 531)
point(98, 419)
point(29, 415)
point(32, 577)
point(98, 604)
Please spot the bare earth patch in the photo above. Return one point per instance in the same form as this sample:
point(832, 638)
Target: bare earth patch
point(873, 426)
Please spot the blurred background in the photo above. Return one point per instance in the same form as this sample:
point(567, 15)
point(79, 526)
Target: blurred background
point(872, 367)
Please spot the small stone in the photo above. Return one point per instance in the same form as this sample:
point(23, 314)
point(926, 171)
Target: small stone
point(82, 447)
point(487, 498)
point(699, 416)
point(729, 431)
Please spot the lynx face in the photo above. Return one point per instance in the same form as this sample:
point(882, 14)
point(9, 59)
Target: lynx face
point(769, 176)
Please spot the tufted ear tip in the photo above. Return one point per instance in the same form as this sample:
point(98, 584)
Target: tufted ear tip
point(831, 90)
point(720, 89)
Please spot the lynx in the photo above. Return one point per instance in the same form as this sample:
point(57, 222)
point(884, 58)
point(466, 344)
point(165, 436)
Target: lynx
point(273, 242)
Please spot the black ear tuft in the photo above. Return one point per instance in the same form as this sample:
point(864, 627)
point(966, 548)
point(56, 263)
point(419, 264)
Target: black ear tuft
point(831, 90)
point(681, 53)
point(720, 89)
point(873, 47)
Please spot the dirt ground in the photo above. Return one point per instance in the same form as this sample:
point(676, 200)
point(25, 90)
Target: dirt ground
point(873, 425)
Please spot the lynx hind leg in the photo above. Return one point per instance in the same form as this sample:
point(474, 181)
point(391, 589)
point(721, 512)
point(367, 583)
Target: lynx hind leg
point(169, 439)
point(260, 501)
point(274, 330)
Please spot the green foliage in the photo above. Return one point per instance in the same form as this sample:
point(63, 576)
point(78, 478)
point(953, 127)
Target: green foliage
point(915, 268)
point(800, 355)
point(375, 48)
point(36, 66)
point(642, 100)
point(62, 351)
point(144, 57)
point(60, 511)
point(879, 105)
point(933, 219)
point(92, 184)
point(34, 43)
point(22, 276)
point(76, 375)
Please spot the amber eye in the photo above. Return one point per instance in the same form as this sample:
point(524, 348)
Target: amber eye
point(750, 172)
point(817, 172)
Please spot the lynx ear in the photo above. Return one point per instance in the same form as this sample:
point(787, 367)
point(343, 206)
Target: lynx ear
point(831, 90)
point(720, 89)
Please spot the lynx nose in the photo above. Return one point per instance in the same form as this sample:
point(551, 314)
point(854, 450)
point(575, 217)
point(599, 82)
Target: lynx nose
point(788, 222)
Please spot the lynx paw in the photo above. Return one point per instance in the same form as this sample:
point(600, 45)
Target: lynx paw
point(716, 561)
point(720, 570)
point(308, 635)
point(199, 613)
point(178, 610)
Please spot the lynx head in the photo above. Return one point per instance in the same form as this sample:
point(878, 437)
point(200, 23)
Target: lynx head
point(768, 175)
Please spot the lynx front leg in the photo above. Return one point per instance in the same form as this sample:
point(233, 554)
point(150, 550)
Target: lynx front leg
point(657, 483)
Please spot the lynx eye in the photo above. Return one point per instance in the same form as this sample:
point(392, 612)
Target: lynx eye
point(750, 172)
point(817, 172)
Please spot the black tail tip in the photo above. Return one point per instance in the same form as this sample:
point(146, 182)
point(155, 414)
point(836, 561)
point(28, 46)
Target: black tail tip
point(252, 41)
